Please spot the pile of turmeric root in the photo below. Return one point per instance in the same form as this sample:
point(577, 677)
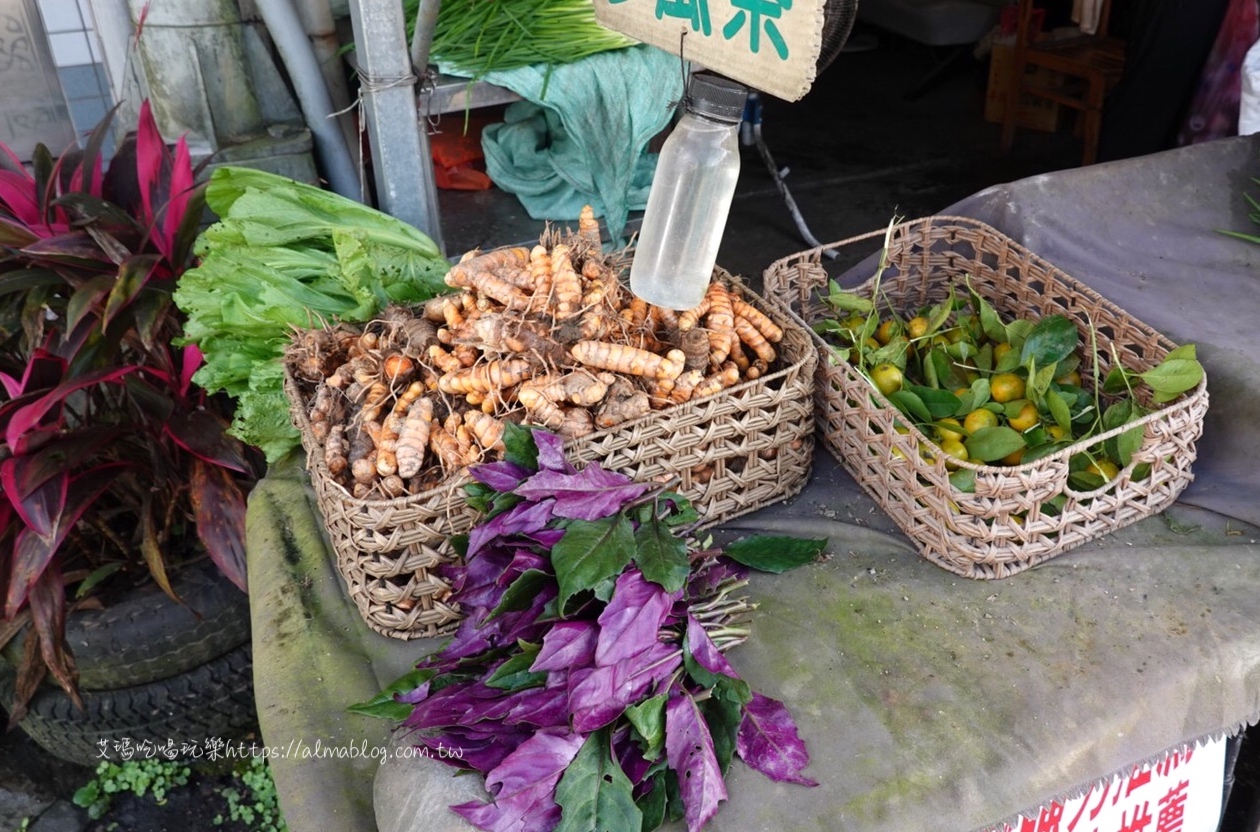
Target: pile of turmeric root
point(547, 337)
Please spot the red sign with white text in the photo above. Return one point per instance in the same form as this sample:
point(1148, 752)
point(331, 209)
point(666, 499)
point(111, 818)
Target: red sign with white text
point(1182, 793)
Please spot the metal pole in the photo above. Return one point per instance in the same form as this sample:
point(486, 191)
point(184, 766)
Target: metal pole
point(422, 37)
point(401, 163)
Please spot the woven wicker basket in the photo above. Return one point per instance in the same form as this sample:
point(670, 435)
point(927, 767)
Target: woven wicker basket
point(757, 436)
point(1000, 529)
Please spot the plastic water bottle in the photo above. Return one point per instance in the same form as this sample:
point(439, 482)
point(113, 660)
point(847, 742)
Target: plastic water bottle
point(690, 197)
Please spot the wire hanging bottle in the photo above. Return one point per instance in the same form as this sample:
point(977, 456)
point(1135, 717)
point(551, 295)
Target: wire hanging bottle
point(690, 197)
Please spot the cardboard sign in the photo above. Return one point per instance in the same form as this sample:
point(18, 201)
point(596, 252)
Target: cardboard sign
point(1182, 793)
point(769, 45)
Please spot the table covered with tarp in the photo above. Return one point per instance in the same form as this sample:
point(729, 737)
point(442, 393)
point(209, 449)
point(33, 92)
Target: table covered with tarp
point(928, 701)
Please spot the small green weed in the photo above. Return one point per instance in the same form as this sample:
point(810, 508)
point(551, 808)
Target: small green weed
point(260, 808)
point(140, 777)
point(251, 799)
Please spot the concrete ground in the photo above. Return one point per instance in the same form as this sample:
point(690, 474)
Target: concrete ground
point(856, 150)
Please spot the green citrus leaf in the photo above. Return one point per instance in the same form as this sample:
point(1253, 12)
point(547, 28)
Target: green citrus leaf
point(991, 444)
point(911, 405)
point(1017, 332)
point(990, 321)
point(1051, 340)
point(1116, 381)
point(1173, 376)
point(964, 479)
point(1059, 410)
point(939, 403)
point(1128, 443)
point(1184, 351)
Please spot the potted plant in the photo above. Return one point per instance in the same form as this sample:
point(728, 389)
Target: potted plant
point(112, 462)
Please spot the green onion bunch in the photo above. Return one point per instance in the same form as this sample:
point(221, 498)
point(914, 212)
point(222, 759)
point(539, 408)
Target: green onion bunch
point(480, 36)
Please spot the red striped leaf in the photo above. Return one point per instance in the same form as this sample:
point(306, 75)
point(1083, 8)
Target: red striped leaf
point(219, 509)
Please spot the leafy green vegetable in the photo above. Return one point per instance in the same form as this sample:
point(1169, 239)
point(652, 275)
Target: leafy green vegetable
point(648, 718)
point(662, 555)
point(479, 37)
point(595, 793)
point(384, 706)
point(285, 255)
point(590, 552)
point(775, 554)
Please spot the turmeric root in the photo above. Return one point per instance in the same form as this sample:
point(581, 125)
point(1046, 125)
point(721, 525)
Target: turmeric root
point(579, 387)
point(326, 411)
point(460, 275)
point(726, 377)
point(335, 450)
point(771, 331)
point(541, 409)
point(446, 447)
point(491, 286)
point(566, 286)
point(720, 320)
point(623, 402)
point(487, 430)
point(753, 338)
point(577, 423)
point(497, 333)
point(690, 317)
point(499, 373)
point(363, 457)
point(694, 344)
point(373, 400)
point(397, 368)
point(686, 385)
point(413, 438)
point(588, 227)
point(540, 273)
point(636, 313)
point(620, 358)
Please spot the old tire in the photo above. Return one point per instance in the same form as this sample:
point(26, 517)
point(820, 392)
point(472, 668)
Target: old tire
point(189, 712)
point(145, 636)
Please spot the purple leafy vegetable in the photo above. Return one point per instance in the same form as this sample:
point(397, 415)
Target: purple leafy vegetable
point(598, 695)
point(551, 453)
point(689, 750)
point(502, 476)
point(632, 620)
point(574, 705)
point(704, 651)
point(568, 644)
point(522, 518)
point(588, 494)
point(769, 742)
point(524, 785)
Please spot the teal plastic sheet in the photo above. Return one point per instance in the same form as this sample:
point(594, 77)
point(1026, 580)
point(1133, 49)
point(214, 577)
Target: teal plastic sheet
point(581, 134)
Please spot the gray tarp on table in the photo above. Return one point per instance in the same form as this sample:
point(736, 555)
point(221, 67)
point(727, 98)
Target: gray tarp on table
point(928, 701)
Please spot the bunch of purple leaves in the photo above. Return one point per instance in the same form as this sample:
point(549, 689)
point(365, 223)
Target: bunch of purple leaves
point(587, 681)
